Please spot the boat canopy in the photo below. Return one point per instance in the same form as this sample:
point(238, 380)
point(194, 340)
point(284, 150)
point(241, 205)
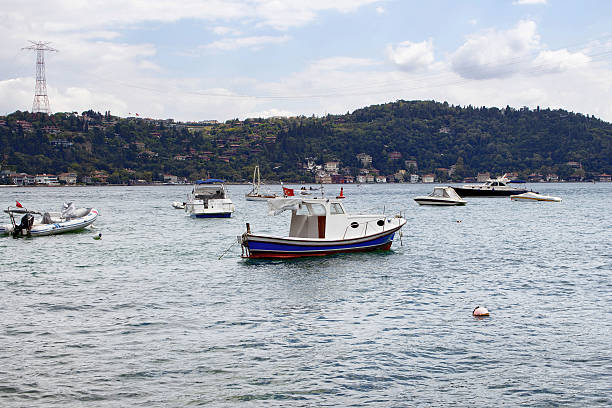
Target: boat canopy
point(447, 192)
point(310, 206)
point(279, 205)
point(210, 181)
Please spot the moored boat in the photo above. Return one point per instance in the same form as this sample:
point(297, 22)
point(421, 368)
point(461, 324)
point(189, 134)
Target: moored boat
point(533, 196)
point(48, 223)
point(498, 187)
point(441, 196)
point(321, 226)
point(255, 194)
point(208, 199)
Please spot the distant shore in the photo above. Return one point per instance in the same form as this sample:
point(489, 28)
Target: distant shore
point(284, 183)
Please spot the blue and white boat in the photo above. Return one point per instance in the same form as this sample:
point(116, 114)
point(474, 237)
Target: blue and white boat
point(321, 226)
point(49, 223)
point(208, 199)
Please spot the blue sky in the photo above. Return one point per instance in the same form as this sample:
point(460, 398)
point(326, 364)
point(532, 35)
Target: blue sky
point(196, 60)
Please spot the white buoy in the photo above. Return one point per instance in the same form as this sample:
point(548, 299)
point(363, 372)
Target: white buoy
point(480, 311)
point(99, 236)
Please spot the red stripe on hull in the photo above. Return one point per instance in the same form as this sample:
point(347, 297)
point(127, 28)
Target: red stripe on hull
point(287, 255)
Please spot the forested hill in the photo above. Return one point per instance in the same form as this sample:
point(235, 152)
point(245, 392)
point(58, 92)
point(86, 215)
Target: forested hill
point(435, 135)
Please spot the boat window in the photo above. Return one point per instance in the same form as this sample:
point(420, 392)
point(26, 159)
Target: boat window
point(317, 209)
point(336, 209)
point(446, 194)
point(302, 210)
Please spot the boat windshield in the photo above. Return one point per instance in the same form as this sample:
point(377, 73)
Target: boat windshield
point(335, 209)
point(439, 192)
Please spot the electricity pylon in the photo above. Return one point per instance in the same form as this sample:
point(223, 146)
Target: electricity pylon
point(41, 100)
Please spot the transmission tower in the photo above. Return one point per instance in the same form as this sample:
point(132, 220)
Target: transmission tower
point(41, 100)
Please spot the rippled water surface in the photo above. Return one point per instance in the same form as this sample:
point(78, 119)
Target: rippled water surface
point(150, 316)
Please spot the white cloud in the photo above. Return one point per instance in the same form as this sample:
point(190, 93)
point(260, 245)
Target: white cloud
point(222, 30)
point(410, 56)
point(339, 63)
point(560, 60)
point(380, 10)
point(55, 16)
point(269, 113)
point(493, 53)
point(16, 94)
point(528, 2)
point(255, 42)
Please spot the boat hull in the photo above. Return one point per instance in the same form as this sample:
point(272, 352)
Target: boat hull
point(277, 247)
point(477, 192)
point(433, 201)
point(260, 197)
point(535, 198)
point(212, 215)
point(39, 230)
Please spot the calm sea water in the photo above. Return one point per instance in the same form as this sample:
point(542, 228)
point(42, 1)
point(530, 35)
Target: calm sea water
point(150, 316)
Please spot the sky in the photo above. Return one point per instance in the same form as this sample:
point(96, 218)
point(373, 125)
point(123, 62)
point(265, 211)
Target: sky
point(223, 59)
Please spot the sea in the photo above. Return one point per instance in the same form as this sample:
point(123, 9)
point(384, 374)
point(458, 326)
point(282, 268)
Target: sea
point(162, 311)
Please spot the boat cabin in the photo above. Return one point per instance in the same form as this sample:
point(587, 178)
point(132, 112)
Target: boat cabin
point(445, 192)
point(325, 218)
point(206, 190)
point(495, 183)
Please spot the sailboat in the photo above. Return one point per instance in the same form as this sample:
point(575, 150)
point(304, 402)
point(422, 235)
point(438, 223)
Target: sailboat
point(255, 194)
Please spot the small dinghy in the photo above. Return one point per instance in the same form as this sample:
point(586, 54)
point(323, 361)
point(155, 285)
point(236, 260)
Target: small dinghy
point(321, 226)
point(441, 196)
point(178, 205)
point(533, 196)
point(49, 223)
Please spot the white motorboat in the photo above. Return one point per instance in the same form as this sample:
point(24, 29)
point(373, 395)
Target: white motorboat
point(499, 187)
point(48, 223)
point(321, 226)
point(533, 196)
point(441, 196)
point(255, 194)
point(208, 199)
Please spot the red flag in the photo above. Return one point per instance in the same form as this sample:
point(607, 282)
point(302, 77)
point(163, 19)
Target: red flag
point(19, 204)
point(288, 192)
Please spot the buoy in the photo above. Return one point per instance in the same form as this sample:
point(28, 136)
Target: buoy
point(480, 311)
point(341, 193)
point(99, 236)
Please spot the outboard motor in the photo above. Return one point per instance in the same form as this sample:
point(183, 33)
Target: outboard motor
point(26, 224)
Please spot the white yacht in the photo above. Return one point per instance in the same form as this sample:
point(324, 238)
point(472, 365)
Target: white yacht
point(499, 187)
point(208, 199)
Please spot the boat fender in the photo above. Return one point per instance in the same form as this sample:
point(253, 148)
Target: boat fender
point(480, 311)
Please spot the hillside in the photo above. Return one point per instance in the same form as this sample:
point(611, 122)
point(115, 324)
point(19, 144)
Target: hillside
point(395, 135)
